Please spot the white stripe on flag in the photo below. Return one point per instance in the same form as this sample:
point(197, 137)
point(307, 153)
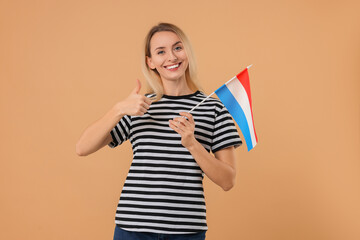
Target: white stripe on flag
point(239, 93)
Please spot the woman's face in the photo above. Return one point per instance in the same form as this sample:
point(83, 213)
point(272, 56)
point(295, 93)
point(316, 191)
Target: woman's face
point(168, 56)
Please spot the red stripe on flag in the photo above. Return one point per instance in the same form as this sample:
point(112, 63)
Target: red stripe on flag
point(243, 77)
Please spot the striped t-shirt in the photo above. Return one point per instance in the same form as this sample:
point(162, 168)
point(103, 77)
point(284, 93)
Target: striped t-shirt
point(163, 191)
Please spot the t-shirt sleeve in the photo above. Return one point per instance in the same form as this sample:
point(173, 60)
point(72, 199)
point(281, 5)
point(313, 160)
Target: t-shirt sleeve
point(225, 133)
point(121, 132)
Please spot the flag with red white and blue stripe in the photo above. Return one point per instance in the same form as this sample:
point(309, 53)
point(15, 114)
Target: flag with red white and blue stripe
point(236, 96)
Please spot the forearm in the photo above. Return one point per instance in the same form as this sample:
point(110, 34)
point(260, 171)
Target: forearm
point(219, 172)
point(98, 134)
point(94, 136)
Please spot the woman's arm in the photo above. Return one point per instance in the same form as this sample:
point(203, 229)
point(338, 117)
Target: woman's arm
point(97, 135)
point(221, 169)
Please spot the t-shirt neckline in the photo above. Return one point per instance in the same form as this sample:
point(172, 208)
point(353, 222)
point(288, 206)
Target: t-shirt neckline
point(181, 96)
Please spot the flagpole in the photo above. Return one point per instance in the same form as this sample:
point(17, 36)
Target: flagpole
point(201, 102)
point(213, 93)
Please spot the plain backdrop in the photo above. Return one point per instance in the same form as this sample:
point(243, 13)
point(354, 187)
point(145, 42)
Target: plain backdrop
point(64, 64)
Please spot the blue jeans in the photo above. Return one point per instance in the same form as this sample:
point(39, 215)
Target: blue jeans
point(121, 234)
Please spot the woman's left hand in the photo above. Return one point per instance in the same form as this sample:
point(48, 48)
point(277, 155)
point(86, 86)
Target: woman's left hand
point(184, 127)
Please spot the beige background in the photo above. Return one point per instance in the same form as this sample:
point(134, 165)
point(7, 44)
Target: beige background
point(64, 64)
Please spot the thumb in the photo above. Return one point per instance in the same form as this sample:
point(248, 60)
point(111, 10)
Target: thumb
point(137, 87)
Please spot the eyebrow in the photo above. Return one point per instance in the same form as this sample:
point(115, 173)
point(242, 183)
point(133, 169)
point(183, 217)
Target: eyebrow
point(164, 47)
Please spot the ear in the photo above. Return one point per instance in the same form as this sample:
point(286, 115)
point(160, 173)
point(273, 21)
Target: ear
point(149, 62)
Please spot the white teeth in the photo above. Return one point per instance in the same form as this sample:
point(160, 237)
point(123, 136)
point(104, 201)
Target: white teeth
point(173, 66)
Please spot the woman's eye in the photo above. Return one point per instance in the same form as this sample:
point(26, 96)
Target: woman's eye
point(178, 48)
point(160, 52)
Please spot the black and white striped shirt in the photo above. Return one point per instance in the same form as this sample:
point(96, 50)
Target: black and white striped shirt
point(163, 192)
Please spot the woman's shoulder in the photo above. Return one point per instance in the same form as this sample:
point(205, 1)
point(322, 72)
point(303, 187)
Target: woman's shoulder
point(211, 99)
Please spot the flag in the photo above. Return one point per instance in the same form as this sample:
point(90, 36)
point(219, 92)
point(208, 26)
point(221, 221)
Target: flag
point(236, 96)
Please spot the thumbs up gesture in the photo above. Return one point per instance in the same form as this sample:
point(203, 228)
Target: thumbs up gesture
point(137, 87)
point(135, 104)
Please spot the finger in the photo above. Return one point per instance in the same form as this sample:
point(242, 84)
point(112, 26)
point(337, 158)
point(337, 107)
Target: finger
point(141, 100)
point(145, 105)
point(177, 124)
point(141, 111)
point(181, 121)
point(185, 121)
point(148, 100)
point(173, 126)
point(188, 115)
point(137, 87)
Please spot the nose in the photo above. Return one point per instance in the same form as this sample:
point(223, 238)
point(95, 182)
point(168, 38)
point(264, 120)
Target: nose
point(172, 56)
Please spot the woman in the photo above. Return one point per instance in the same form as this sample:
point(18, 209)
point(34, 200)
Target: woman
point(163, 196)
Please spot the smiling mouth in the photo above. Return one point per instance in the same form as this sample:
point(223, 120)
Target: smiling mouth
point(172, 67)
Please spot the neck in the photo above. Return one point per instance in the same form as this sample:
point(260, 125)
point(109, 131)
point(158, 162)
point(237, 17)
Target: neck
point(176, 87)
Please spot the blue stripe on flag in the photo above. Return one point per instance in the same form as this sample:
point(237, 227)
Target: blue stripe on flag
point(236, 112)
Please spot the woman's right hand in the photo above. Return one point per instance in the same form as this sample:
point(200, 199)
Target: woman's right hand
point(135, 104)
point(97, 135)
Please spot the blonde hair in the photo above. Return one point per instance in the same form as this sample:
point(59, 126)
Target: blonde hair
point(152, 75)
